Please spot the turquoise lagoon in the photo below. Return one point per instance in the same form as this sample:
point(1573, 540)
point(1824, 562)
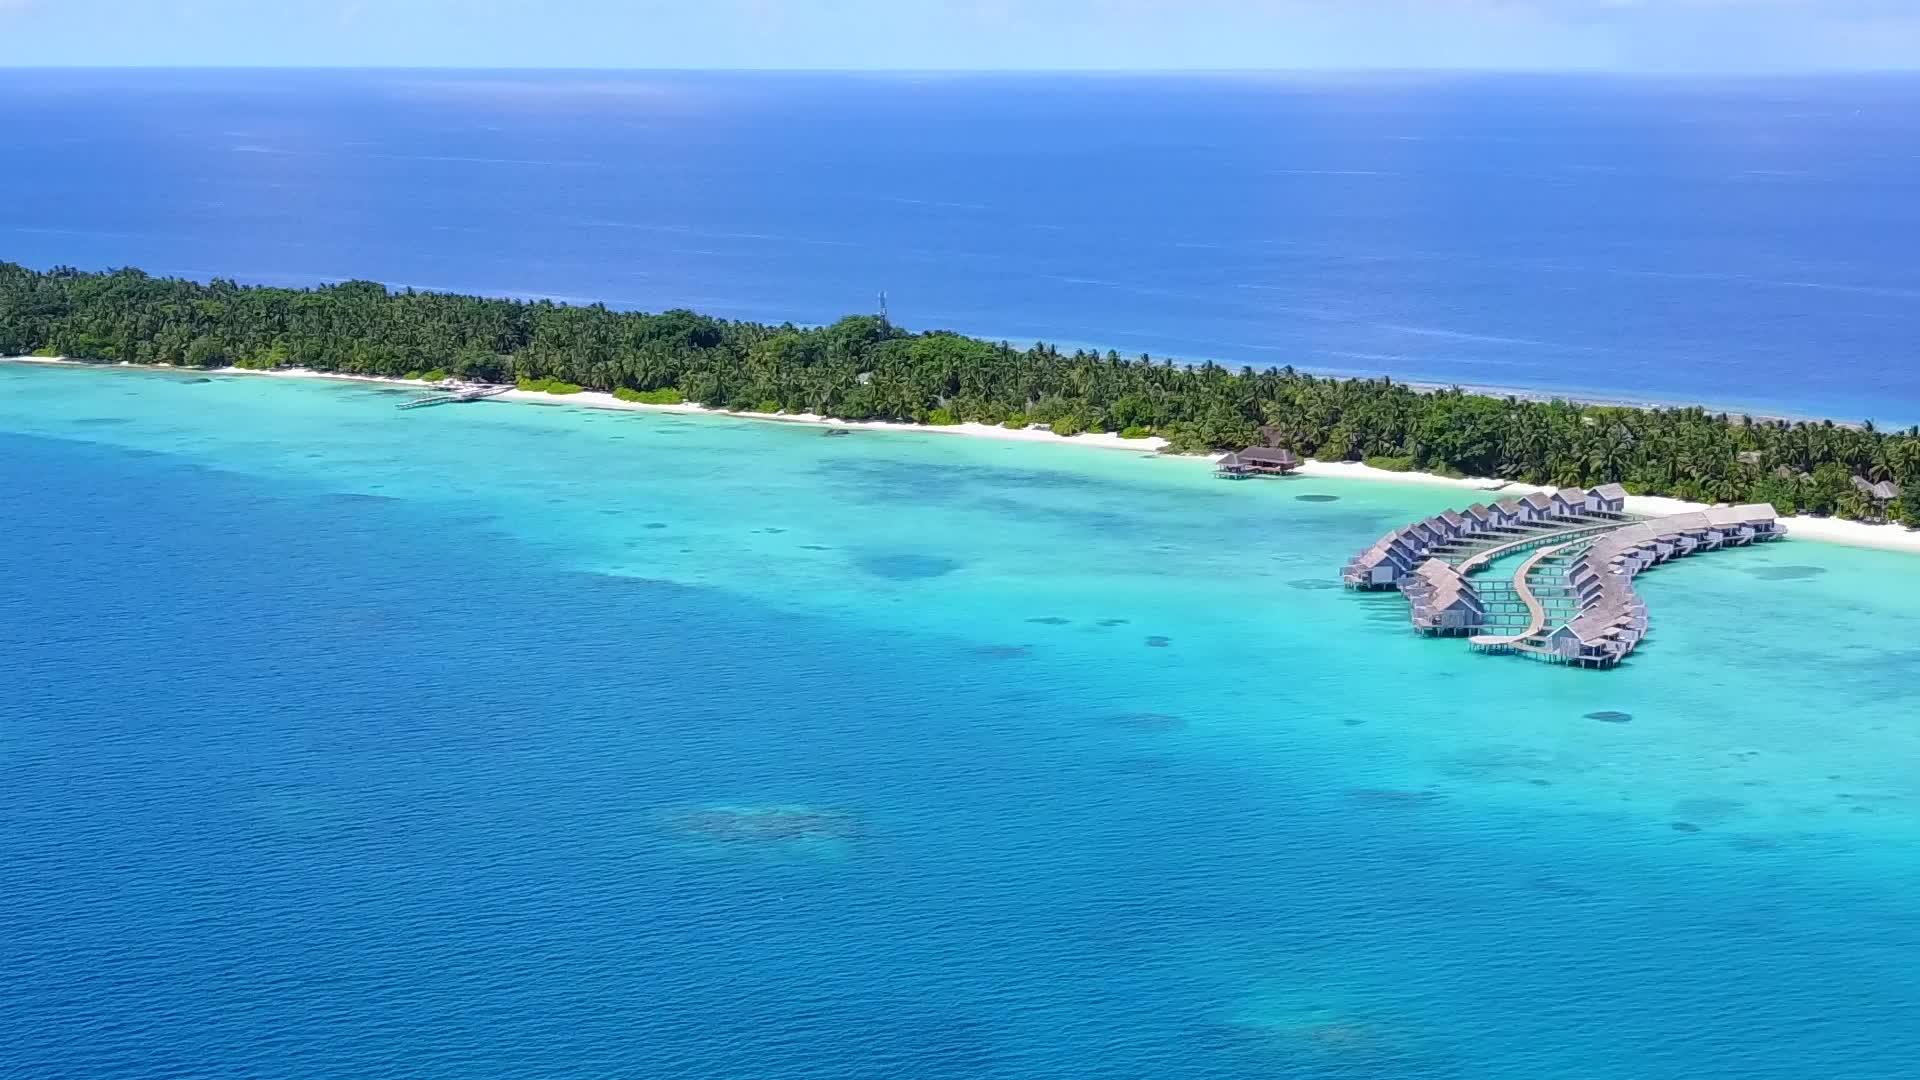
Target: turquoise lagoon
point(505, 740)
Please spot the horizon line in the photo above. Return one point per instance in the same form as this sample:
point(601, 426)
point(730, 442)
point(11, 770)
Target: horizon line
point(1595, 72)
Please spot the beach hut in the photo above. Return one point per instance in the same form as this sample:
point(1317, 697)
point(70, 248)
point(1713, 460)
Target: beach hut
point(1508, 514)
point(1479, 516)
point(1257, 461)
point(1541, 506)
point(1881, 495)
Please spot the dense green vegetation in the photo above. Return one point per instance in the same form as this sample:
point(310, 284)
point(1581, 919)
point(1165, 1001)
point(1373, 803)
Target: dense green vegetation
point(865, 368)
point(663, 396)
point(549, 385)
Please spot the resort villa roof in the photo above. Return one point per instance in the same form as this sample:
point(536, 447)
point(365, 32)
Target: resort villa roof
point(1442, 601)
point(1611, 497)
point(1265, 455)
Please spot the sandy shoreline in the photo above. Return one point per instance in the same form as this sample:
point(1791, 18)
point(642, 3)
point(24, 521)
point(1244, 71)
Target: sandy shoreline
point(1801, 526)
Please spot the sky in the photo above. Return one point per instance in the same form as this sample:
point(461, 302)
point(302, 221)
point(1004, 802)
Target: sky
point(1658, 36)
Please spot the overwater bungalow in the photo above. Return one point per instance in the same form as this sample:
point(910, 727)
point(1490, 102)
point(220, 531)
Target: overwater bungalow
point(1588, 647)
point(1568, 502)
point(1256, 461)
point(1740, 524)
point(1442, 601)
point(1509, 514)
point(1607, 499)
point(1582, 556)
point(1610, 619)
point(1390, 558)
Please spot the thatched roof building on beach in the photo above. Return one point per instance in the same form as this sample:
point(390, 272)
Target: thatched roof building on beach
point(1257, 461)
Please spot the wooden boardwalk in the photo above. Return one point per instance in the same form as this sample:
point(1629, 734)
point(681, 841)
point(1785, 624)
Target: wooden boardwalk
point(1536, 611)
point(1559, 537)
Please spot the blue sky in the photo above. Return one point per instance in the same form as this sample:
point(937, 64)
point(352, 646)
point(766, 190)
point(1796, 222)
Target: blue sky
point(1613, 35)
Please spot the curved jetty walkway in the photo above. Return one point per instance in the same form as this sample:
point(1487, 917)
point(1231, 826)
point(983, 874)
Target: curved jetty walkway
point(1571, 600)
point(1536, 611)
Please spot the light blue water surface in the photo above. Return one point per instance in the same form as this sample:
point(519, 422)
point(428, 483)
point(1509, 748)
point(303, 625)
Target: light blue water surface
point(337, 741)
point(1730, 242)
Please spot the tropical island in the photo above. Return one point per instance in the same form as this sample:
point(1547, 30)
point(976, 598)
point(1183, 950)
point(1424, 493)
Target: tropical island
point(865, 368)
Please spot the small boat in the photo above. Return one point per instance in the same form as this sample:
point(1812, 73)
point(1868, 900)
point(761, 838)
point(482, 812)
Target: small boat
point(832, 431)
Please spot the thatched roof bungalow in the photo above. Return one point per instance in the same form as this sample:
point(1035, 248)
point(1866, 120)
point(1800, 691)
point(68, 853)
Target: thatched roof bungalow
point(1257, 461)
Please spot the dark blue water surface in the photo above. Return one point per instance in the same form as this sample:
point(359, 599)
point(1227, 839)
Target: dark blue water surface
point(1738, 243)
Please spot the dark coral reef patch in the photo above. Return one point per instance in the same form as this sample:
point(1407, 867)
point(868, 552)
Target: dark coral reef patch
point(764, 825)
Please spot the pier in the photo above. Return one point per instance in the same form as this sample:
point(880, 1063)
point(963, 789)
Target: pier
point(1570, 599)
point(456, 396)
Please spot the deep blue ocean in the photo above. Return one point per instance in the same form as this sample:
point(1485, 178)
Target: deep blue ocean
point(1738, 243)
point(507, 741)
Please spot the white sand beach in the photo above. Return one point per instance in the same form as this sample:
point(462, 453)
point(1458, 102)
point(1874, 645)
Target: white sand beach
point(1886, 537)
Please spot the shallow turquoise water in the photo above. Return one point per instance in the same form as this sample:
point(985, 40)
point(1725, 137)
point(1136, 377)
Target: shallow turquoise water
point(499, 739)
